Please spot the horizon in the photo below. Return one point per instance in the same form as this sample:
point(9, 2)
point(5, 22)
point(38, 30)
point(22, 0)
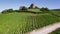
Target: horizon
point(15, 4)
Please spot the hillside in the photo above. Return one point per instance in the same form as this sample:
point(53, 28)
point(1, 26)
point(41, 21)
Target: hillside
point(20, 23)
point(34, 10)
point(57, 31)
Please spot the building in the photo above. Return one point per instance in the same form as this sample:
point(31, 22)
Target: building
point(32, 6)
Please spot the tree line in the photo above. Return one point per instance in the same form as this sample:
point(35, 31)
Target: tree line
point(25, 9)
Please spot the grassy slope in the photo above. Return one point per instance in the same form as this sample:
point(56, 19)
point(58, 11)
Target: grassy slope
point(34, 10)
point(15, 23)
point(56, 13)
point(57, 31)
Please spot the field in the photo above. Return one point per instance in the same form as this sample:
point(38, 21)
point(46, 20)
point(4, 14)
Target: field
point(57, 31)
point(20, 23)
point(34, 10)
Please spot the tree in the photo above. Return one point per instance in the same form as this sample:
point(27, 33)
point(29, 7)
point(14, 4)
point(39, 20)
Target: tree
point(10, 10)
point(36, 7)
point(44, 9)
point(4, 11)
point(7, 11)
point(23, 8)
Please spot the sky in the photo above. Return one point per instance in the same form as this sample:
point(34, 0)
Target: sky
point(15, 4)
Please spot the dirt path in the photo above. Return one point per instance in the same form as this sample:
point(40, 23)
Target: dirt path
point(47, 29)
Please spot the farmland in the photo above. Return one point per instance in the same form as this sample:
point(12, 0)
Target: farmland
point(20, 23)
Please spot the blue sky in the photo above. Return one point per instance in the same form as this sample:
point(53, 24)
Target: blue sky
point(15, 4)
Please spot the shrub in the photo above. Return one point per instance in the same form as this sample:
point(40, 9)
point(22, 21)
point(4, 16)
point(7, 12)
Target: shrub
point(44, 9)
point(37, 7)
point(23, 8)
point(4, 11)
point(7, 11)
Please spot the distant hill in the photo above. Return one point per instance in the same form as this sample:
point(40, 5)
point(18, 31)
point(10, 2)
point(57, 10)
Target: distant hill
point(56, 9)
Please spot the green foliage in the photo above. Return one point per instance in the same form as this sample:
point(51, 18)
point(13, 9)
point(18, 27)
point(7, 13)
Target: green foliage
point(55, 13)
point(17, 23)
point(4, 11)
point(44, 9)
point(26, 20)
point(57, 31)
point(23, 8)
point(37, 7)
point(29, 8)
point(55, 9)
point(7, 11)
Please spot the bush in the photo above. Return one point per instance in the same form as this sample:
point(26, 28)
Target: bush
point(23, 8)
point(37, 7)
point(44, 9)
point(57, 31)
point(4, 11)
point(7, 11)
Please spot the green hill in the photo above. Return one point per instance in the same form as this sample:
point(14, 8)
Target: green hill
point(20, 23)
point(34, 10)
point(57, 31)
